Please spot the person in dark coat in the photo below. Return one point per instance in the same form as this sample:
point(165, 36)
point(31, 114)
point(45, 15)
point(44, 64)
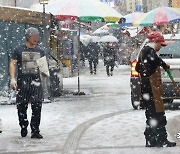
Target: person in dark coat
point(93, 55)
point(28, 84)
point(148, 66)
point(82, 53)
point(110, 56)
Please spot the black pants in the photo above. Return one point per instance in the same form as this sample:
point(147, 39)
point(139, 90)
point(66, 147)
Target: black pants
point(91, 63)
point(111, 67)
point(29, 91)
point(155, 131)
point(35, 118)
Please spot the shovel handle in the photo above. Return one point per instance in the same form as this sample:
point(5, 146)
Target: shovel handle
point(169, 74)
point(173, 81)
point(176, 86)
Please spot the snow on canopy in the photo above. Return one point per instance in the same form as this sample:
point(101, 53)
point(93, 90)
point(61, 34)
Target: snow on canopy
point(92, 10)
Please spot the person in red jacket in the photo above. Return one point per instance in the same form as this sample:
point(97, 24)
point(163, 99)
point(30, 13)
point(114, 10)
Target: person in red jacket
point(148, 66)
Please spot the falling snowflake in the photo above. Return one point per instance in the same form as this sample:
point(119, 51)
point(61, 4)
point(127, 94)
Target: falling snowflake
point(153, 122)
point(145, 61)
point(146, 96)
point(35, 83)
point(152, 58)
point(136, 103)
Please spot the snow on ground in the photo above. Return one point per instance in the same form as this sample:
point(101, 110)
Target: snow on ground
point(90, 115)
point(120, 134)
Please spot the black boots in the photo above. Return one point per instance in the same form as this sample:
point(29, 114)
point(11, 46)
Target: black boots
point(109, 74)
point(166, 143)
point(91, 72)
point(36, 135)
point(24, 132)
point(160, 144)
point(154, 139)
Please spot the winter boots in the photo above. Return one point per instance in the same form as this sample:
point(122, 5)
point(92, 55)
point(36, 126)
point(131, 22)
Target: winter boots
point(91, 72)
point(110, 74)
point(150, 138)
point(166, 143)
point(36, 135)
point(154, 140)
point(24, 132)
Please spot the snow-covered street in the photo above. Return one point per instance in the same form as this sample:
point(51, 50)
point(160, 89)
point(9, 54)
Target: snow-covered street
point(100, 122)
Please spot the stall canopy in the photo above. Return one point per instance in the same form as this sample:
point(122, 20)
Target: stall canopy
point(84, 10)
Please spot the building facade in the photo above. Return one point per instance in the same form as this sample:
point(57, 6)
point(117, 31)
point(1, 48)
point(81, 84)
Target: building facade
point(120, 6)
point(148, 5)
point(175, 3)
point(132, 5)
point(128, 6)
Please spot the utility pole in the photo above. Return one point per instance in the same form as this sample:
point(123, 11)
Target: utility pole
point(44, 23)
point(46, 81)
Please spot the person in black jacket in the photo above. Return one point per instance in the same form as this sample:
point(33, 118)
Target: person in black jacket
point(110, 57)
point(82, 53)
point(93, 55)
point(148, 66)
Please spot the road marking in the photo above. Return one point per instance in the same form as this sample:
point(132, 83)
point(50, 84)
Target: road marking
point(74, 137)
point(178, 136)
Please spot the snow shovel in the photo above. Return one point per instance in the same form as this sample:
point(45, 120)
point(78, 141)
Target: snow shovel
point(173, 81)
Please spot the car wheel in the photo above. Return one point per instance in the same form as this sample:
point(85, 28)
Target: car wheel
point(168, 101)
point(134, 103)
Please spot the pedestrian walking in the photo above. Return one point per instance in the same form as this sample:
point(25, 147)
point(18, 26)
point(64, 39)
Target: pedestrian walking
point(151, 91)
point(110, 56)
point(82, 53)
point(93, 56)
point(28, 84)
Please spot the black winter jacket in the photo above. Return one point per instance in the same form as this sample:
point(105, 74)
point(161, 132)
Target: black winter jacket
point(148, 61)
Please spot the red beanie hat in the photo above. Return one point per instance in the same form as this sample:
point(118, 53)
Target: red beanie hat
point(156, 37)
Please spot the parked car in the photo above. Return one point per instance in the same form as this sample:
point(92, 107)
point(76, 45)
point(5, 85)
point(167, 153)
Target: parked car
point(171, 55)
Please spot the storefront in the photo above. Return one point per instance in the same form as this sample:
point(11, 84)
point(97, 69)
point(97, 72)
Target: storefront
point(64, 43)
point(13, 23)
